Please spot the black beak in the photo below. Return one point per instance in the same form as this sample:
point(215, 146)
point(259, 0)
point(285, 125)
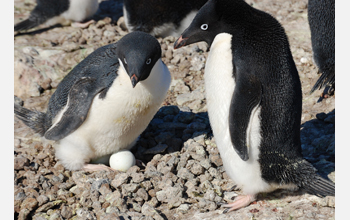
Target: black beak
point(134, 80)
point(180, 42)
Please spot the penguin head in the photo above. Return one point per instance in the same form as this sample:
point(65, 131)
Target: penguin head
point(204, 27)
point(137, 53)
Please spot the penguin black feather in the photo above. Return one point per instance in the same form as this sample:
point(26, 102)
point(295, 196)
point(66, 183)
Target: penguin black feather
point(321, 17)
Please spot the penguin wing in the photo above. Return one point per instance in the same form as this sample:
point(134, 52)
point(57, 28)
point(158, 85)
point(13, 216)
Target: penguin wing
point(43, 11)
point(247, 95)
point(80, 98)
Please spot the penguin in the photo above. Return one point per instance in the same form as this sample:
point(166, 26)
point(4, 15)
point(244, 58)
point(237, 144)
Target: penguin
point(52, 12)
point(104, 103)
point(160, 18)
point(254, 100)
point(321, 17)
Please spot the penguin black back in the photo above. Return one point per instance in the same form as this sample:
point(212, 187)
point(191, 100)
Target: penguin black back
point(321, 17)
point(146, 15)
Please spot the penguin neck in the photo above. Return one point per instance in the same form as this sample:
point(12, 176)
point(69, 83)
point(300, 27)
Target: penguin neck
point(158, 80)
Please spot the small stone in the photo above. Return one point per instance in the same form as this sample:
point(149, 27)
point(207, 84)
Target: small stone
point(42, 199)
point(20, 163)
point(142, 193)
point(162, 137)
point(185, 117)
point(216, 159)
point(149, 210)
point(183, 208)
point(137, 177)
point(185, 174)
point(66, 212)
point(119, 179)
point(229, 196)
point(29, 204)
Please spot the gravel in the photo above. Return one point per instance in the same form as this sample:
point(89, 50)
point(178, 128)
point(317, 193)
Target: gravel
point(181, 174)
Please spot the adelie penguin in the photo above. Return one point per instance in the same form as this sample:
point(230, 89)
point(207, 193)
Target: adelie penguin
point(104, 103)
point(160, 18)
point(321, 17)
point(53, 12)
point(254, 100)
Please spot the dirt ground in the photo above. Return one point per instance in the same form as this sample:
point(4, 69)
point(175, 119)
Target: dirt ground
point(45, 55)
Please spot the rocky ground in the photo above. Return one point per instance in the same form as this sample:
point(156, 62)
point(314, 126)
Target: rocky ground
point(182, 176)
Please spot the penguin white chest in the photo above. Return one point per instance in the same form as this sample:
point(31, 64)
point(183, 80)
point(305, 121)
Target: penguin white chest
point(115, 122)
point(219, 86)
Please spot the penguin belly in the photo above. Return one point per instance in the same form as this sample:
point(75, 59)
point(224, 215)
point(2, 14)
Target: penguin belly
point(78, 11)
point(115, 122)
point(219, 85)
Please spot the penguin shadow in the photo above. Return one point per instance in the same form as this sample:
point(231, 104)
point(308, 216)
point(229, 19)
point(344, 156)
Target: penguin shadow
point(168, 132)
point(318, 142)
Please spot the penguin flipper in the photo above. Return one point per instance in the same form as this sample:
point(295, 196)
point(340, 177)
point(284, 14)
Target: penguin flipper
point(80, 98)
point(247, 95)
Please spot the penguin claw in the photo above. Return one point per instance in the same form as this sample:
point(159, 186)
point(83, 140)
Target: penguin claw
point(240, 202)
point(96, 167)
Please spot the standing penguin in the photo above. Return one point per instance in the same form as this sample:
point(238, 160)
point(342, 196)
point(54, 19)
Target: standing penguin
point(59, 11)
point(105, 102)
point(160, 18)
point(321, 16)
point(254, 100)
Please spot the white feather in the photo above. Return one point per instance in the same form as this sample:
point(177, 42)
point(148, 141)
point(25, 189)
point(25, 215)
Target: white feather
point(219, 85)
point(115, 122)
point(78, 11)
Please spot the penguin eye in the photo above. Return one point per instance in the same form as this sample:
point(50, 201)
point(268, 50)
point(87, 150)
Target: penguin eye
point(204, 27)
point(125, 61)
point(148, 61)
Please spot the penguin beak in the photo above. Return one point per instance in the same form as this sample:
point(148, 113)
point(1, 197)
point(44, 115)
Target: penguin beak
point(180, 42)
point(134, 80)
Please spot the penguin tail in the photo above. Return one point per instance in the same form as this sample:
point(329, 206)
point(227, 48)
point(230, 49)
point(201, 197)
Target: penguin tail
point(320, 187)
point(25, 25)
point(33, 119)
point(326, 78)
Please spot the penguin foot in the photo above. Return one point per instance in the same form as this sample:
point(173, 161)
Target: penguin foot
point(82, 25)
point(240, 202)
point(327, 92)
point(96, 167)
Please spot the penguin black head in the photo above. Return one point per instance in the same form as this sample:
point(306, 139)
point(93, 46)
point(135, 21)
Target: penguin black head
point(138, 52)
point(215, 17)
point(204, 27)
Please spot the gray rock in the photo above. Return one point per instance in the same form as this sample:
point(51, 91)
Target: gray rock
point(185, 174)
point(149, 210)
point(119, 179)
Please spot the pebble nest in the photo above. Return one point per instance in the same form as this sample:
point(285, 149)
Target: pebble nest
point(181, 175)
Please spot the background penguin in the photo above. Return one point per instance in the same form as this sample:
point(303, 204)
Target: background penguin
point(59, 11)
point(254, 100)
point(105, 102)
point(321, 16)
point(160, 18)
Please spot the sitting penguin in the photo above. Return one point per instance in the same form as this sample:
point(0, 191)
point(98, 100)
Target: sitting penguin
point(104, 103)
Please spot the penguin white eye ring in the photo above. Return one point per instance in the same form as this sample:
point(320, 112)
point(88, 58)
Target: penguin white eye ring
point(148, 61)
point(204, 27)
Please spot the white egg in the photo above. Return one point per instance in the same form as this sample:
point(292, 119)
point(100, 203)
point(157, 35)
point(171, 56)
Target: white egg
point(122, 160)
